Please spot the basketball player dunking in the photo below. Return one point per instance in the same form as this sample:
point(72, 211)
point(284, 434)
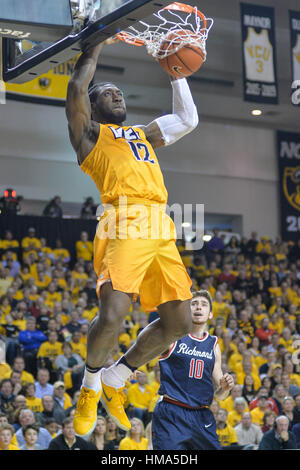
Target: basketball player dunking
point(121, 161)
point(189, 372)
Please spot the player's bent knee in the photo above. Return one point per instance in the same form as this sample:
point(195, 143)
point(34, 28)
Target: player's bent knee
point(109, 320)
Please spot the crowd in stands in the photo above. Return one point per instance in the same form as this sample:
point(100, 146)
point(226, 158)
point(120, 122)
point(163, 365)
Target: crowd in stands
point(47, 304)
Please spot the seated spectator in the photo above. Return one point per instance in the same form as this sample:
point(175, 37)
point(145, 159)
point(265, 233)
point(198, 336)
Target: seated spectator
point(19, 366)
point(268, 367)
point(296, 409)
point(288, 410)
point(258, 412)
point(5, 281)
point(248, 433)
point(279, 438)
point(52, 427)
point(53, 208)
point(73, 324)
point(60, 253)
point(15, 379)
point(9, 243)
point(68, 440)
point(51, 409)
point(52, 295)
point(268, 421)
point(278, 395)
point(264, 333)
point(139, 397)
point(235, 416)
point(296, 432)
point(71, 366)
point(135, 438)
point(32, 402)
point(60, 397)
point(50, 349)
point(225, 432)
point(6, 437)
point(291, 389)
point(31, 339)
point(228, 403)
point(11, 263)
point(31, 434)
point(42, 385)
point(4, 366)
point(98, 435)
point(77, 346)
point(248, 390)
point(6, 396)
point(90, 290)
point(10, 332)
point(84, 247)
point(30, 244)
point(271, 402)
point(26, 417)
point(113, 435)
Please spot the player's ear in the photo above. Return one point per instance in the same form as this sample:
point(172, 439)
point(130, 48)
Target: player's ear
point(210, 316)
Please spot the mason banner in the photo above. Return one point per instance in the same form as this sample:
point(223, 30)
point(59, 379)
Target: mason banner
point(259, 54)
point(295, 53)
point(288, 149)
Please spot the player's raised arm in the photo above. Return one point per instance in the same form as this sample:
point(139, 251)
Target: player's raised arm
point(78, 107)
point(167, 129)
point(83, 131)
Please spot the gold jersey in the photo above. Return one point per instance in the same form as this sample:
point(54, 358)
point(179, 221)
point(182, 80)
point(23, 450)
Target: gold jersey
point(123, 163)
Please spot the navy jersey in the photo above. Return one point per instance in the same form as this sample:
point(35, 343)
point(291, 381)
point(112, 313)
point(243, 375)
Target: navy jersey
point(186, 370)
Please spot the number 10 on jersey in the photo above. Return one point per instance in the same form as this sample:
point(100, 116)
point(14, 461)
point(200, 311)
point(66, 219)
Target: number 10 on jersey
point(196, 368)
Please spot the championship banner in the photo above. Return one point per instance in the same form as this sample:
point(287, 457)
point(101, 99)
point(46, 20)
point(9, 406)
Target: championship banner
point(288, 149)
point(295, 49)
point(259, 54)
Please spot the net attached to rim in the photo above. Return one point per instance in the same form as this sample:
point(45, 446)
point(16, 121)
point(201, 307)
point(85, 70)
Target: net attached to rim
point(171, 28)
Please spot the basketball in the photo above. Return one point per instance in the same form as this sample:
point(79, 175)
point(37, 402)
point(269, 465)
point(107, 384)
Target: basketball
point(184, 62)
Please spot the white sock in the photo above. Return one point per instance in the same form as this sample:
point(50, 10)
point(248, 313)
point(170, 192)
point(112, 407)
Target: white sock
point(116, 375)
point(91, 380)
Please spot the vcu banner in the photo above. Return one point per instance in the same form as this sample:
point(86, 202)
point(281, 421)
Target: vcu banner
point(295, 54)
point(259, 54)
point(288, 148)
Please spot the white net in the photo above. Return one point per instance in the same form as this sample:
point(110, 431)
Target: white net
point(171, 29)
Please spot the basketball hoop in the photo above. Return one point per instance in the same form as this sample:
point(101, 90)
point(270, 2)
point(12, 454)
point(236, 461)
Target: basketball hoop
point(175, 18)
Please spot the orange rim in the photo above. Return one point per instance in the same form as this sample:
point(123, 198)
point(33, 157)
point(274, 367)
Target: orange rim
point(187, 9)
point(125, 37)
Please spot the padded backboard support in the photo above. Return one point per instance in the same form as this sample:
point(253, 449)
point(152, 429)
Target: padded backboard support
point(52, 54)
point(35, 20)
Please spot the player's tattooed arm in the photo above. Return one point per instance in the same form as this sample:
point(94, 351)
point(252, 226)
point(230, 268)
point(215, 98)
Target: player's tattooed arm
point(83, 131)
point(154, 134)
point(78, 107)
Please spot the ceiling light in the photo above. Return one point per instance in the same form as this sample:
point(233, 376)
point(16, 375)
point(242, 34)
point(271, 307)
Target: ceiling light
point(256, 112)
point(185, 224)
point(207, 238)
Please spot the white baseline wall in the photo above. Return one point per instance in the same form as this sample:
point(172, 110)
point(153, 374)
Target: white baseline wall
point(230, 168)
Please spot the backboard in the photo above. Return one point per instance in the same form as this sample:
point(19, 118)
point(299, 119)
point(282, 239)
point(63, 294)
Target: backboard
point(93, 21)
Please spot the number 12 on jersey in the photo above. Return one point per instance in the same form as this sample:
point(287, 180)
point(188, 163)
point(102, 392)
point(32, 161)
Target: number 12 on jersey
point(196, 368)
point(141, 152)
